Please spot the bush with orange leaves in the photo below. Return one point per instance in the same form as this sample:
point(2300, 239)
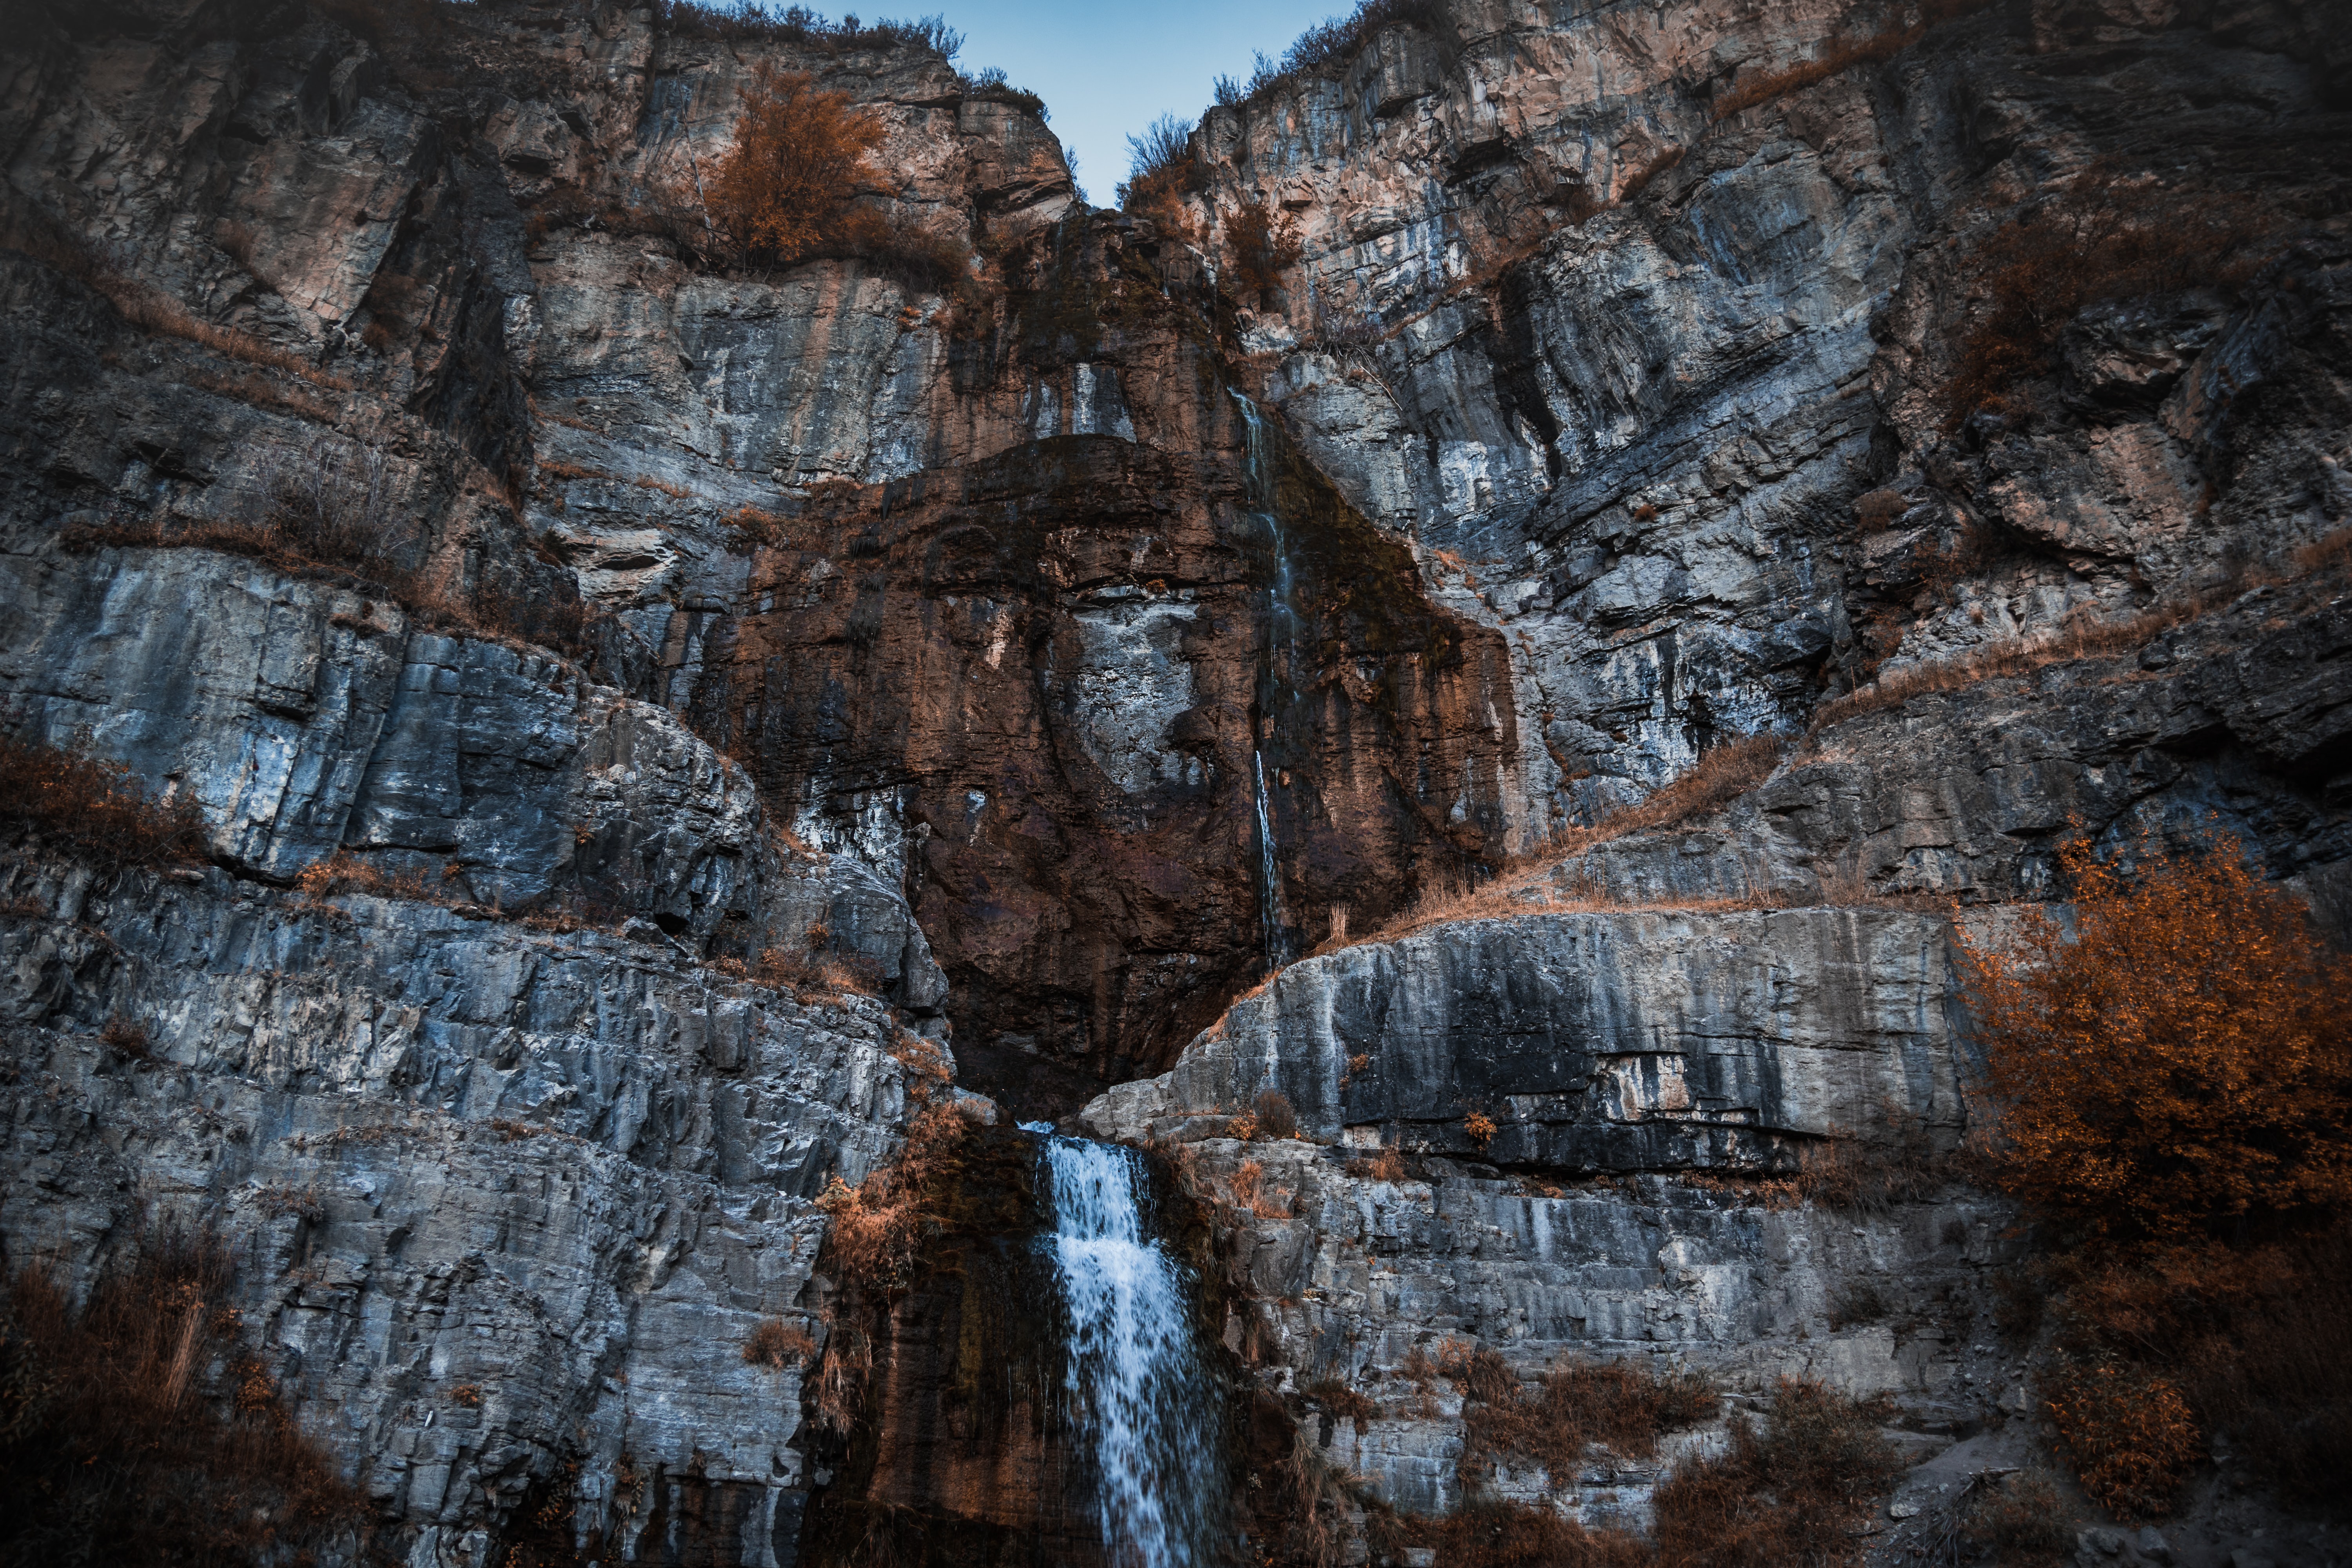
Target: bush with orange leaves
point(783, 190)
point(1263, 244)
point(2182, 1066)
point(876, 1223)
point(2131, 1435)
point(2172, 1084)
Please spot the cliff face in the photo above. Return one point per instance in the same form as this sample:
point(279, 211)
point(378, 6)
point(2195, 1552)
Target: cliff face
point(548, 622)
point(899, 554)
point(1636, 363)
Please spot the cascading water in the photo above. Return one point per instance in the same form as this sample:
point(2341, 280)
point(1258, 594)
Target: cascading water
point(1138, 1383)
point(1281, 687)
point(1282, 614)
point(1271, 913)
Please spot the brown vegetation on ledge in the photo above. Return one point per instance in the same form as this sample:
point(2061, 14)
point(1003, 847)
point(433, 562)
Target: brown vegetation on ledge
point(96, 808)
point(2171, 1083)
point(2108, 236)
point(1721, 775)
point(1788, 1490)
point(118, 1444)
point(339, 517)
point(1623, 1406)
point(143, 304)
point(1838, 54)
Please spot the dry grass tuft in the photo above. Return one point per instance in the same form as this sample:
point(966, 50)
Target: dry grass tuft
point(1275, 1119)
point(1840, 55)
point(2018, 1521)
point(1344, 1403)
point(841, 1375)
point(137, 1429)
point(877, 1223)
point(2130, 1434)
point(804, 975)
point(1247, 1192)
point(776, 1344)
point(1578, 1405)
point(1786, 1491)
point(1842, 1172)
point(1721, 776)
point(97, 808)
point(344, 872)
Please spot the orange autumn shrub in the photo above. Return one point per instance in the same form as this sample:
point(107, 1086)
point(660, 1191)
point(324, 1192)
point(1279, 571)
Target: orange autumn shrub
point(2130, 1434)
point(2181, 1065)
point(784, 188)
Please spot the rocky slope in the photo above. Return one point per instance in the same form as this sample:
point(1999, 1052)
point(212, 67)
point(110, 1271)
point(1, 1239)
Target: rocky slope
point(548, 621)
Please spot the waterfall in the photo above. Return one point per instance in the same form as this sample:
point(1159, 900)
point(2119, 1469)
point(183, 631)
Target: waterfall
point(1281, 685)
point(1282, 614)
point(1138, 1383)
point(1271, 913)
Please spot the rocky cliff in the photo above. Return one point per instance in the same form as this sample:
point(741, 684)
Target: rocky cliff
point(1712, 495)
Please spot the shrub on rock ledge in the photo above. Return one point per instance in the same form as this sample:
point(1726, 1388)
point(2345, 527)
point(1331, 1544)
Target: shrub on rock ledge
point(2181, 1065)
point(784, 190)
point(97, 807)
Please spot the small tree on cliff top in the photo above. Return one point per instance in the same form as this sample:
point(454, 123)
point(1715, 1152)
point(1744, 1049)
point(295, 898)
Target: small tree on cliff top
point(783, 190)
point(2183, 1065)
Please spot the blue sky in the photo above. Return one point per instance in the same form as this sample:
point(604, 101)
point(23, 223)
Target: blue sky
point(1106, 72)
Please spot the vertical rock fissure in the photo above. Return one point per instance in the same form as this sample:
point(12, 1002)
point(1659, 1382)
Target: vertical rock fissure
point(1141, 1392)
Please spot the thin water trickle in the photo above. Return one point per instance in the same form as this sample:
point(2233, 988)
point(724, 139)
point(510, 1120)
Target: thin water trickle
point(1137, 1380)
point(1281, 687)
point(1282, 614)
point(1272, 915)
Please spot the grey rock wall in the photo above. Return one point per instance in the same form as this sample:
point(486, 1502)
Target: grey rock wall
point(1623, 407)
point(502, 1202)
point(1594, 1042)
point(304, 720)
point(1742, 1288)
point(1637, 398)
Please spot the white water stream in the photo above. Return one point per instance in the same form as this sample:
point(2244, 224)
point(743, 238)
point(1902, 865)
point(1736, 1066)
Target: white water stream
point(1138, 1385)
point(1272, 916)
point(1281, 690)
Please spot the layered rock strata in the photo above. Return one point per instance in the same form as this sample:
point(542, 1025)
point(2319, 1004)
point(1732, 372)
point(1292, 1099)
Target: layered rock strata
point(504, 1205)
point(797, 508)
point(1061, 641)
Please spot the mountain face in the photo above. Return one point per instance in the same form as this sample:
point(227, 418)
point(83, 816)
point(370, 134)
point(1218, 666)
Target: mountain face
point(1710, 497)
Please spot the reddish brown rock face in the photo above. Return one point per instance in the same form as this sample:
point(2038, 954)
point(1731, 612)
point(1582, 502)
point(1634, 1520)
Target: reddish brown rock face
point(1064, 668)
